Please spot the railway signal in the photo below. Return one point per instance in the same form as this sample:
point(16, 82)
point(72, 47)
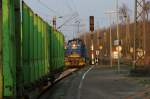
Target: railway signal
point(92, 46)
point(91, 23)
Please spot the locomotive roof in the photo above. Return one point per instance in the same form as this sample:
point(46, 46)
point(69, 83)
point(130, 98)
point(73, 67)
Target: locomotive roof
point(75, 39)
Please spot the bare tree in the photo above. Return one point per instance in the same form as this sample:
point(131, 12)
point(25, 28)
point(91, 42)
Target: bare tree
point(147, 9)
point(123, 11)
point(125, 18)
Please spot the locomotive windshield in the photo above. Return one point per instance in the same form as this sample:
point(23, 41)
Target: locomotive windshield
point(75, 46)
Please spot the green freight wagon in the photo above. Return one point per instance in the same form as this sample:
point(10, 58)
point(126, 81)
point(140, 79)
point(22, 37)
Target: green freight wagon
point(9, 48)
point(31, 49)
point(56, 51)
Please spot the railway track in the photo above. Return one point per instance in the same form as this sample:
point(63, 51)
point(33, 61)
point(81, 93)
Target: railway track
point(63, 75)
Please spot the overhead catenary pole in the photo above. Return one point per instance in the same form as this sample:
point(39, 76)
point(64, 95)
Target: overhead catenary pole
point(135, 27)
point(139, 35)
point(54, 22)
point(84, 30)
point(128, 41)
point(144, 29)
point(78, 28)
point(118, 35)
point(110, 36)
point(110, 42)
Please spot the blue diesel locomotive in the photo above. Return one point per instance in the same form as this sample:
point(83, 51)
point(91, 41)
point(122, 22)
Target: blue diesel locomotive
point(75, 53)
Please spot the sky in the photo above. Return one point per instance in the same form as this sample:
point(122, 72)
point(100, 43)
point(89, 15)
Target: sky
point(80, 9)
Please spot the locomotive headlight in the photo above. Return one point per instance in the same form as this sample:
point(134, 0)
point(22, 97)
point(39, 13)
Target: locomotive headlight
point(73, 45)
